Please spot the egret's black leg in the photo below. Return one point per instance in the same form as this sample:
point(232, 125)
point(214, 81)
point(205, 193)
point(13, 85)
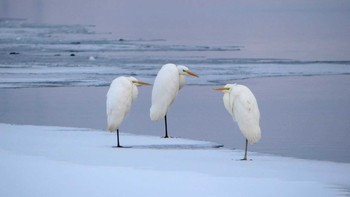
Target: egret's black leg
point(166, 127)
point(118, 144)
point(246, 150)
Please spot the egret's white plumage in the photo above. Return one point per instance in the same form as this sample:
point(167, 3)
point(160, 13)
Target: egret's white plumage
point(165, 89)
point(170, 79)
point(122, 92)
point(241, 103)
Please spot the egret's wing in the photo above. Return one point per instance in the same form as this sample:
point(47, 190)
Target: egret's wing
point(228, 103)
point(165, 90)
point(246, 104)
point(119, 99)
point(247, 115)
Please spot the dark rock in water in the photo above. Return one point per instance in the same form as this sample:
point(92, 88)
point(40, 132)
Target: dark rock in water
point(14, 53)
point(121, 40)
point(72, 54)
point(76, 42)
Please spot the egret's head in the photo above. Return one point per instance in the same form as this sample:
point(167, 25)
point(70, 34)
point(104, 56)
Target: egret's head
point(183, 70)
point(226, 89)
point(137, 82)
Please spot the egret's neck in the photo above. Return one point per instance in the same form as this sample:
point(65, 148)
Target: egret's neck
point(227, 103)
point(182, 81)
point(135, 92)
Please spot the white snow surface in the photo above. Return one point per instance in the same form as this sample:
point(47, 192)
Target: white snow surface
point(57, 161)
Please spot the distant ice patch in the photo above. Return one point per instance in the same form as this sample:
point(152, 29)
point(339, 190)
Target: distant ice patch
point(40, 55)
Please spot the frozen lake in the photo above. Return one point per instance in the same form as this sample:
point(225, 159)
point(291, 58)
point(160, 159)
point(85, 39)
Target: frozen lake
point(39, 55)
point(294, 55)
point(290, 29)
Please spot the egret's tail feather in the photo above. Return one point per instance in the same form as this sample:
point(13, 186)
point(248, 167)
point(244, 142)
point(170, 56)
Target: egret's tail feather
point(156, 114)
point(113, 122)
point(111, 128)
point(254, 137)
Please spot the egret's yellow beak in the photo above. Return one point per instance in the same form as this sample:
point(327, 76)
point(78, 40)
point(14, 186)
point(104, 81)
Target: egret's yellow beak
point(221, 89)
point(141, 83)
point(190, 73)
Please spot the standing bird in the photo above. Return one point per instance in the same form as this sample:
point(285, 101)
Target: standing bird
point(170, 79)
point(241, 103)
point(122, 92)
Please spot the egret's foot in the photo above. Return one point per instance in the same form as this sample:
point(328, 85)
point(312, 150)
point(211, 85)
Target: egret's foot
point(167, 137)
point(245, 159)
point(121, 146)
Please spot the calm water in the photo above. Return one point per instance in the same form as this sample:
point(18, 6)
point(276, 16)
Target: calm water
point(304, 117)
point(294, 55)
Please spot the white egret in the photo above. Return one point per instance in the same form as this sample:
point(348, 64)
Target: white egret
point(241, 103)
point(170, 79)
point(122, 92)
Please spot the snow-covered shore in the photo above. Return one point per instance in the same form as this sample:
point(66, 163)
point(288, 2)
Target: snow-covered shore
point(303, 117)
point(60, 161)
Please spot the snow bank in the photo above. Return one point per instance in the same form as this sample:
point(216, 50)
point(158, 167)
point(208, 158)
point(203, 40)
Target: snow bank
point(56, 161)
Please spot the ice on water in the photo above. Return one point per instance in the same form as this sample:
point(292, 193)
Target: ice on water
point(39, 55)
